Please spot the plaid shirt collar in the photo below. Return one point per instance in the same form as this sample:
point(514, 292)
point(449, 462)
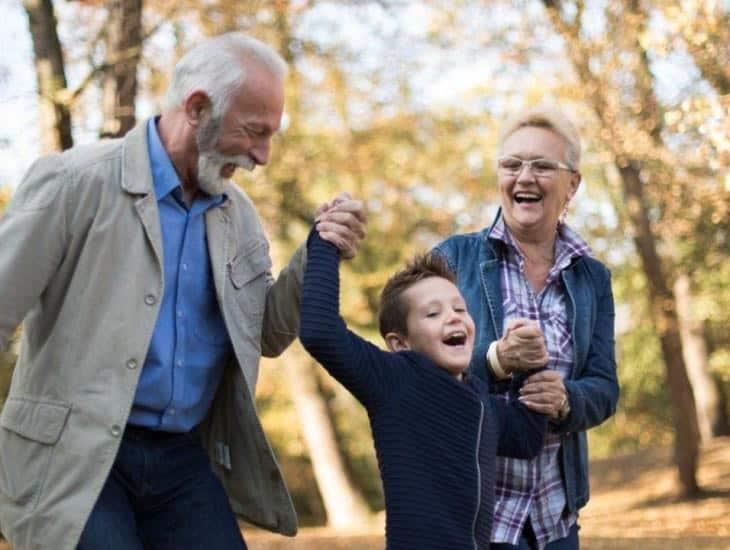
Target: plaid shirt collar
point(568, 244)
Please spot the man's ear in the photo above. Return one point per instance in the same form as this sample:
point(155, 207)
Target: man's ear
point(197, 107)
point(396, 342)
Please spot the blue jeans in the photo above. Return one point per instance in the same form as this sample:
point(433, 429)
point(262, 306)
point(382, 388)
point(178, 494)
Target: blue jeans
point(528, 541)
point(161, 494)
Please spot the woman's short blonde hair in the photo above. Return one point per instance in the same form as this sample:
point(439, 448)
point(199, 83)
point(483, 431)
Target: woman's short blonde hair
point(550, 117)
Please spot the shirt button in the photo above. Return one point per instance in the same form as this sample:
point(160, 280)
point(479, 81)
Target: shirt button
point(179, 313)
point(172, 412)
point(179, 363)
point(150, 300)
point(116, 431)
point(132, 364)
point(185, 267)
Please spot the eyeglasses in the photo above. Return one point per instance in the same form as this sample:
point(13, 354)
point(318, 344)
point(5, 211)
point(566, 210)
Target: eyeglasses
point(540, 167)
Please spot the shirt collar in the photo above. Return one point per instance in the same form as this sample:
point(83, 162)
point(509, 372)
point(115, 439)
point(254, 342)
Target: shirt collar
point(568, 244)
point(164, 177)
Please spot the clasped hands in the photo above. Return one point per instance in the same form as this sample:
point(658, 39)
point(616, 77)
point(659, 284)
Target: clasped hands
point(342, 222)
point(522, 348)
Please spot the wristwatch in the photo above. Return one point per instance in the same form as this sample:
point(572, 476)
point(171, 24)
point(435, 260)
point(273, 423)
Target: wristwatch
point(564, 409)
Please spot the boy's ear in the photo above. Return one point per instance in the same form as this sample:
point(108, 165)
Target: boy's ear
point(396, 342)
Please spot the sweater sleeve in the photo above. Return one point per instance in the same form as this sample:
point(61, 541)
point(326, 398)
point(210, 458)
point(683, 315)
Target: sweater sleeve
point(521, 431)
point(363, 368)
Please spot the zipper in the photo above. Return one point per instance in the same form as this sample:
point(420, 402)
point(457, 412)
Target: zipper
point(479, 475)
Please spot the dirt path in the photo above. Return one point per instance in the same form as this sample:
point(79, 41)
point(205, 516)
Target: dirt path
point(631, 507)
point(633, 501)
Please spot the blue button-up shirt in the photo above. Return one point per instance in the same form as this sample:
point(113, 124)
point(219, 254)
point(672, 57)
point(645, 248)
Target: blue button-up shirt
point(190, 342)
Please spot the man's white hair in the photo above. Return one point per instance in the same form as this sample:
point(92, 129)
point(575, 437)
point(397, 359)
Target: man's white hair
point(549, 117)
point(217, 66)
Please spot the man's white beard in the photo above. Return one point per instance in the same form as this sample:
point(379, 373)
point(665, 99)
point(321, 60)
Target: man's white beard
point(211, 163)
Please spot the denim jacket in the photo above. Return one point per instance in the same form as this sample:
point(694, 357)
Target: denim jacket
point(592, 386)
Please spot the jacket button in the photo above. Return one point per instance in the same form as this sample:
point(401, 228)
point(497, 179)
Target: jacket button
point(116, 431)
point(150, 300)
point(132, 364)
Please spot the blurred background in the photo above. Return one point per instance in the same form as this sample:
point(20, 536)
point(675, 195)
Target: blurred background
point(399, 102)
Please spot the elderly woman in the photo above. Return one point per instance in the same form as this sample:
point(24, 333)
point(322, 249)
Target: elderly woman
point(539, 299)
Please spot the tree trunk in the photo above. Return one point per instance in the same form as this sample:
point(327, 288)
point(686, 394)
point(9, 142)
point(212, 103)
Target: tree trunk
point(664, 310)
point(55, 117)
point(694, 350)
point(343, 502)
point(345, 506)
point(119, 81)
point(662, 301)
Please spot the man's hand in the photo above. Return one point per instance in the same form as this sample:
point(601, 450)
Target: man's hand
point(544, 392)
point(343, 223)
point(522, 347)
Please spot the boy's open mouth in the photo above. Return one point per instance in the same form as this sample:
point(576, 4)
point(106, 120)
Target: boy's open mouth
point(457, 338)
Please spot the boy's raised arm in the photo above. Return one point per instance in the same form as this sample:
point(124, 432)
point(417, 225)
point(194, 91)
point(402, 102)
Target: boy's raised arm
point(360, 366)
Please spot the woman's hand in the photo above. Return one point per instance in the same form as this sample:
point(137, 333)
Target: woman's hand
point(544, 392)
point(522, 347)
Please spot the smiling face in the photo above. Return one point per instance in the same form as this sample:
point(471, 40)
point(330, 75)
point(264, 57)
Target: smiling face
point(532, 204)
point(242, 137)
point(438, 325)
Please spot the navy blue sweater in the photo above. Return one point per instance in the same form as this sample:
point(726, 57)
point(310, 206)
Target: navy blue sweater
point(435, 437)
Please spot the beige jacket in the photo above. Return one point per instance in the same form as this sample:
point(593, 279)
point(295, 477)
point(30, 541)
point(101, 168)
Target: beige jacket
point(81, 264)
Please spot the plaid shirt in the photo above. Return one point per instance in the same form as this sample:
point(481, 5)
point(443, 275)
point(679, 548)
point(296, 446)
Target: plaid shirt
point(534, 487)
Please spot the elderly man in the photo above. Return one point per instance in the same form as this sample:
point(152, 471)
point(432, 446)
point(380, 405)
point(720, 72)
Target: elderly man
point(143, 276)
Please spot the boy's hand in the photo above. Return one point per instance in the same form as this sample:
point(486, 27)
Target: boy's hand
point(544, 392)
point(342, 222)
point(522, 347)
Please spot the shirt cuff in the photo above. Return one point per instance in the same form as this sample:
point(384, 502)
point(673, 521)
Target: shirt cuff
point(493, 362)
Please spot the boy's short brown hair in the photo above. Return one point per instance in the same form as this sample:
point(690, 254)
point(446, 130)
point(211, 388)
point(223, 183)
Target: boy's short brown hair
point(394, 310)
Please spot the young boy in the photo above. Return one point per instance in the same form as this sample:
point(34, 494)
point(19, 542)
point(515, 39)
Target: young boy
point(436, 428)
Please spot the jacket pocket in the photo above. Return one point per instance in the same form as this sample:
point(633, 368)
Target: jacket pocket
point(249, 275)
point(29, 430)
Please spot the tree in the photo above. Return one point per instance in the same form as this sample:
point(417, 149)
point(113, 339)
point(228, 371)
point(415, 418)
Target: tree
point(123, 41)
point(705, 29)
point(55, 115)
point(617, 82)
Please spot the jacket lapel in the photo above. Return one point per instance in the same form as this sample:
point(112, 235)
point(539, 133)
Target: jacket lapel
point(217, 227)
point(580, 305)
point(492, 292)
point(137, 180)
